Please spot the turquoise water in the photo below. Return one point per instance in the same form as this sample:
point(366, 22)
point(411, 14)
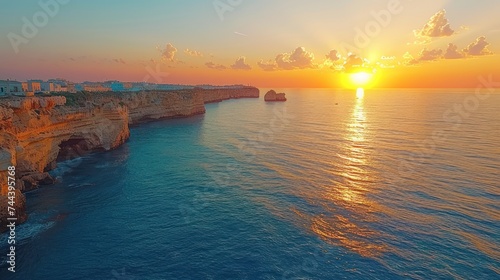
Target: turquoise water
point(392, 185)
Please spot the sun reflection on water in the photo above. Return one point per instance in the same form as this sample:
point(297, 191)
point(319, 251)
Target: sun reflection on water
point(349, 210)
point(360, 93)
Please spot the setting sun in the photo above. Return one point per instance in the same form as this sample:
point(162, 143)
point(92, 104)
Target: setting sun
point(360, 79)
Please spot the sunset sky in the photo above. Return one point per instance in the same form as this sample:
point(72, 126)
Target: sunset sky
point(438, 43)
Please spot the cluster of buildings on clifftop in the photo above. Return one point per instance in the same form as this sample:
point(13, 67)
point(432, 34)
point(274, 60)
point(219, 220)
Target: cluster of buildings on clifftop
point(32, 87)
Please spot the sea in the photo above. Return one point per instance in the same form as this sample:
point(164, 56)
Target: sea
point(331, 184)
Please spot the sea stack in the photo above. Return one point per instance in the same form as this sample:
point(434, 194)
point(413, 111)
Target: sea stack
point(273, 96)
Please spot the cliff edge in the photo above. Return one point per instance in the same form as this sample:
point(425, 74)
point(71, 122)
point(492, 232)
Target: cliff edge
point(37, 132)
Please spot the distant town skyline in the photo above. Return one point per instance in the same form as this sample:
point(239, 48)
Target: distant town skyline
point(403, 43)
point(36, 86)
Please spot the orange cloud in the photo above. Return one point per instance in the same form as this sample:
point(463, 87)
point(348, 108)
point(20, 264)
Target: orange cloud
point(428, 55)
point(240, 64)
point(333, 55)
point(479, 47)
point(267, 66)
point(452, 52)
point(212, 65)
point(437, 26)
point(297, 59)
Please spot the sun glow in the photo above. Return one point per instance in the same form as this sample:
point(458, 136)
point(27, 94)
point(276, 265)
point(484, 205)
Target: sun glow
point(360, 79)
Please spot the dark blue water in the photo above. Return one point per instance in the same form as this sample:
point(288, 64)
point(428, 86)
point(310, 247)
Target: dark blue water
point(323, 186)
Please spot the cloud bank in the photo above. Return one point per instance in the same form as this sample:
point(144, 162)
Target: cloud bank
point(479, 47)
point(297, 59)
point(476, 48)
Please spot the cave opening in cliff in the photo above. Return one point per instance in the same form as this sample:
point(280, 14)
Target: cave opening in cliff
point(76, 147)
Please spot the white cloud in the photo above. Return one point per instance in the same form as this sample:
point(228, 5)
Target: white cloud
point(240, 64)
point(193, 53)
point(169, 52)
point(408, 59)
point(479, 47)
point(386, 62)
point(408, 56)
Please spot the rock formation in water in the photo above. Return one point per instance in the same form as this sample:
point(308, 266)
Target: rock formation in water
point(273, 96)
point(37, 132)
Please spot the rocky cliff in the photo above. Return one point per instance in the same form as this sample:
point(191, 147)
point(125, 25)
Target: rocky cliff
point(157, 105)
point(217, 95)
point(37, 132)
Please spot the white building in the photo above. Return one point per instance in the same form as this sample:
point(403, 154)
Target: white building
point(4, 88)
point(47, 87)
point(9, 87)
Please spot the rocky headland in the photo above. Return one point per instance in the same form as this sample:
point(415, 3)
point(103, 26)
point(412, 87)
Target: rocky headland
point(38, 132)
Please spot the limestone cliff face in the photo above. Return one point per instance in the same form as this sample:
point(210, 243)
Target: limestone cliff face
point(36, 132)
point(155, 105)
point(34, 129)
point(41, 132)
point(217, 95)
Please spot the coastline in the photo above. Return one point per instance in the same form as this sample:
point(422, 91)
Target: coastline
point(37, 132)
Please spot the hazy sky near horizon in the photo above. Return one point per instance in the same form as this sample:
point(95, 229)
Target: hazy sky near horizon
point(432, 43)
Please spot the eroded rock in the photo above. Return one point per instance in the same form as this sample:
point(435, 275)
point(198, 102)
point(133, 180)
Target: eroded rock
point(273, 96)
